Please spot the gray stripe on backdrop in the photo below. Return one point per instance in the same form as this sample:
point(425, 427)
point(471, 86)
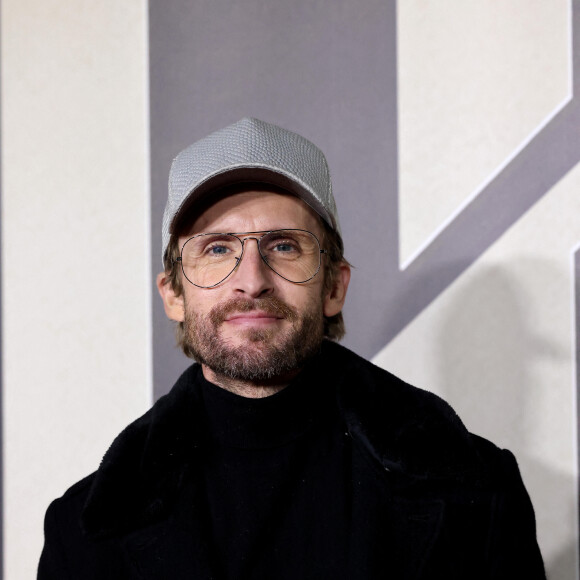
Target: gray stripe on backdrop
point(283, 62)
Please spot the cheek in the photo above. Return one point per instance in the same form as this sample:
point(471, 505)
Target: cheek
point(309, 299)
point(199, 301)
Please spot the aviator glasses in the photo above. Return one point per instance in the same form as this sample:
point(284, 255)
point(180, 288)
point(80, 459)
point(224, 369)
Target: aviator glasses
point(208, 259)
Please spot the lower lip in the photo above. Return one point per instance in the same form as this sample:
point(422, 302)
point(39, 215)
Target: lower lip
point(253, 321)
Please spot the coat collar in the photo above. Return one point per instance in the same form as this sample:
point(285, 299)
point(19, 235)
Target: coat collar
point(410, 433)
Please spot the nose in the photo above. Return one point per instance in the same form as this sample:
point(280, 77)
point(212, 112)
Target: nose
point(252, 276)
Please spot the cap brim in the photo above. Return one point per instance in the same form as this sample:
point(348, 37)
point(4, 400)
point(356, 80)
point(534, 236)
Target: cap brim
point(239, 175)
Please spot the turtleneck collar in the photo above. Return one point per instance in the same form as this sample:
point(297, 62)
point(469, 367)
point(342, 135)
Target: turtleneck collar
point(242, 422)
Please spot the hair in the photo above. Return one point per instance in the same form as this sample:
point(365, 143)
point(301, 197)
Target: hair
point(332, 260)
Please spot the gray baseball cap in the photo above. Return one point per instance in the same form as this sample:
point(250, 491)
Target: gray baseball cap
point(249, 151)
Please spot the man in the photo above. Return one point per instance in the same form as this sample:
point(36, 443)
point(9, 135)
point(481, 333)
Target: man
point(280, 454)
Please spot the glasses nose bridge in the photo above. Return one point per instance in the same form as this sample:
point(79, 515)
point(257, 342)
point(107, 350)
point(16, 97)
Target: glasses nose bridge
point(246, 238)
point(258, 239)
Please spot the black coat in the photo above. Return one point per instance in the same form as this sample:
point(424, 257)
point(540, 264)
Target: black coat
point(429, 499)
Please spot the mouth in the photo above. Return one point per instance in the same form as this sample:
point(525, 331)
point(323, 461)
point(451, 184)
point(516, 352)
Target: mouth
point(267, 312)
point(253, 318)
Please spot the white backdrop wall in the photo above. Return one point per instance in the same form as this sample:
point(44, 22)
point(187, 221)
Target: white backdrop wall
point(452, 135)
point(75, 269)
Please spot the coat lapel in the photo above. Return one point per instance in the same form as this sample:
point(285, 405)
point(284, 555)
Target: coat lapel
point(175, 547)
point(167, 551)
point(404, 441)
point(393, 532)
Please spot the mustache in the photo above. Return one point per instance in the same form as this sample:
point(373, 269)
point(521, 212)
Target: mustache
point(268, 304)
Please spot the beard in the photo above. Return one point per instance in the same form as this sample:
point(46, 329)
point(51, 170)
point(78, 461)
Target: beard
point(268, 353)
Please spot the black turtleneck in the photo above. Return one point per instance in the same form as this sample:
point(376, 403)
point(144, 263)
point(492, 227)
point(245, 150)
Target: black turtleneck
point(276, 476)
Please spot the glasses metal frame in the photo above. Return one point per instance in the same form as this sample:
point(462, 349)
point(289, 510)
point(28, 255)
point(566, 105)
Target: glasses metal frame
point(249, 236)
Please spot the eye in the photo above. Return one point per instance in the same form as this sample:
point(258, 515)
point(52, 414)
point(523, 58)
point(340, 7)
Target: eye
point(217, 250)
point(282, 244)
point(284, 247)
point(217, 246)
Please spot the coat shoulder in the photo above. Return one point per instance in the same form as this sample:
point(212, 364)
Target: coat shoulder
point(379, 386)
point(410, 430)
point(68, 506)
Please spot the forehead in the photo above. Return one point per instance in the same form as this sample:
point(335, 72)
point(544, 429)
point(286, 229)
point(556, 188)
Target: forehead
point(252, 210)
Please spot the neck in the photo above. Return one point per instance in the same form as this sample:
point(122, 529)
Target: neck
point(249, 389)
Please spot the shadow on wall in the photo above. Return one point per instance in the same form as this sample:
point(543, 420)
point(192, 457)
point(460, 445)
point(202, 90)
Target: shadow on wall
point(496, 353)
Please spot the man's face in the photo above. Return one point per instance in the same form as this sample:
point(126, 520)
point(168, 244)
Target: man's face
point(255, 325)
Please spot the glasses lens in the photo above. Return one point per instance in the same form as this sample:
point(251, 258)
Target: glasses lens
point(293, 254)
point(207, 259)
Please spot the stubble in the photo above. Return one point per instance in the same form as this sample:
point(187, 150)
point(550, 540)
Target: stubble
point(268, 353)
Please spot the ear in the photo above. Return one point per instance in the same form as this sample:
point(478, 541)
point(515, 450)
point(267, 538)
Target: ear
point(334, 300)
point(173, 304)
